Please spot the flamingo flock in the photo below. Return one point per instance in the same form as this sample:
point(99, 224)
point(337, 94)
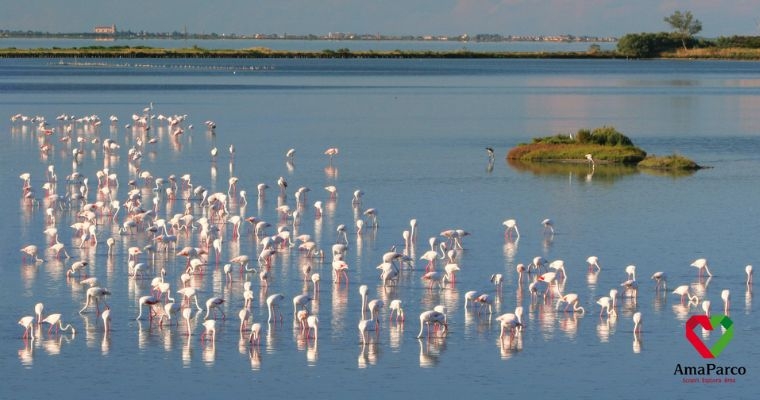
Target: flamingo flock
point(180, 235)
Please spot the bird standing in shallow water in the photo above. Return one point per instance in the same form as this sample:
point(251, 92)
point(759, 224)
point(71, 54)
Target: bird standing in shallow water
point(701, 264)
point(593, 262)
point(210, 326)
point(662, 279)
point(55, 322)
point(435, 318)
point(313, 323)
point(214, 303)
point(510, 321)
point(683, 291)
point(548, 226)
point(273, 307)
point(28, 323)
point(510, 226)
point(637, 323)
point(331, 152)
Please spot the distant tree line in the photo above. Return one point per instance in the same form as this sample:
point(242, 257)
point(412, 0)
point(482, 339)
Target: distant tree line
point(685, 26)
point(643, 45)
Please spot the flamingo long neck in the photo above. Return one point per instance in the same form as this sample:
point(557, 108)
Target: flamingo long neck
point(422, 327)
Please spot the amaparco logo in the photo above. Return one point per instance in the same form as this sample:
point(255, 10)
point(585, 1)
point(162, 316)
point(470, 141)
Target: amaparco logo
point(710, 323)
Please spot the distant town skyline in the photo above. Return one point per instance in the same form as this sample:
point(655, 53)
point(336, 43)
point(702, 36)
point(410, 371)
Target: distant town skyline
point(391, 17)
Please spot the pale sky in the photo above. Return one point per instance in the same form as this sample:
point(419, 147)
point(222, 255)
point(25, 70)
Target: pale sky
point(393, 17)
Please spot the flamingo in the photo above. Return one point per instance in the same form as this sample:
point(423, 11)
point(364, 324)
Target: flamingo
point(261, 189)
point(374, 307)
point(413, 230)
point(149, 301)
point(748, 271)
point(548, 226)
point(313, 323)
point(368, 325)
point(497, 280)
point(187, 293)
point(537, 263)
point(537, 286)
point(430, 256)
point(510, 321)
point(95, 294)
point(701, 264)
point(372, 213)
point(170, 309)
point(661, 278)
point(683, 291)
point(300, 301)
point(637, 323)
point(283, 184)
point(54, 320)
point(520, 268)
point(570, 299)
point(593, 262)
point(315, 279)
point(725, 295)
point(255, 335)
point(549, 278)
point(339, 268)
point(28, 323)
point(451, 273)
point(630, 287)
point(631, 271)
point(510, 226)
point(187, 313)
point(244, 314)
point(432, 317)
point(106, 315)
point(210, 326)
point(484, 300)
point(31, 251)
point(333, 190)
point(706, 307)
point(395, 306)
point(273, 306)
point(357, 199)
point(342, 237)
point(470, 297)
point(607, 304)
point(214, 303)
point(331, 152)
point(435, 277)
point(38, 308)
point(363, 294)
point(559, 266)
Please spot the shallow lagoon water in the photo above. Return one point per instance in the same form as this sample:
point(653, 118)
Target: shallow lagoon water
point(411, 135)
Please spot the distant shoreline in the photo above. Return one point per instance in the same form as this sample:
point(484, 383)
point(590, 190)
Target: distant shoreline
point(261, 52)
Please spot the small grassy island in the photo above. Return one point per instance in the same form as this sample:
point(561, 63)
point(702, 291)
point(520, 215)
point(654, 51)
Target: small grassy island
point(603, 145)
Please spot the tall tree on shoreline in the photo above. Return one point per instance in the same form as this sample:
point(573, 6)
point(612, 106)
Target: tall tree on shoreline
point(684, 25)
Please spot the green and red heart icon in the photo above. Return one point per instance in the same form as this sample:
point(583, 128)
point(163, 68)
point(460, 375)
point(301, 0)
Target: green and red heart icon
point(709, 323)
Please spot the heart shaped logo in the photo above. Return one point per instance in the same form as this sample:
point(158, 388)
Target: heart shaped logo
point(709, 323)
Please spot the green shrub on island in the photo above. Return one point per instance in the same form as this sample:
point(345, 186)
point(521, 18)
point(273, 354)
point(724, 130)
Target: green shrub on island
point(605, 144)
point(670, 162)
